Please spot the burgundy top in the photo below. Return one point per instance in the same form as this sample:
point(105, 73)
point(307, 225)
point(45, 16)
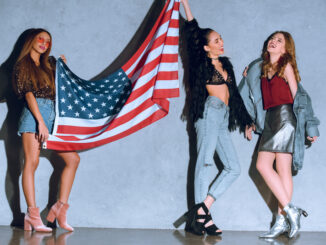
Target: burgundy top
point(275, 91)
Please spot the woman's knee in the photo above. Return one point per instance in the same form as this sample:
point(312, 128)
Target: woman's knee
point(263, 167)
point(73, 161)
point(265, 162)
point(260, 167)
point(31, 161)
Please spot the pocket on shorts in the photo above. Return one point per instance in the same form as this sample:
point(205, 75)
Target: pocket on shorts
point(25, 117)
point(26, 122)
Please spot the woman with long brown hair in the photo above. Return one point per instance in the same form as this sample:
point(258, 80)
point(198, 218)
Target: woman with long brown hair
point(33, 81)
point(282, 128)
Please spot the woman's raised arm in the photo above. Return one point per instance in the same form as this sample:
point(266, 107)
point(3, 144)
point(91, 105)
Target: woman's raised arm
point(187, 9)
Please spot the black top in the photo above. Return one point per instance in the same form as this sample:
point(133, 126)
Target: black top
point(23, 87)
point(218, 79)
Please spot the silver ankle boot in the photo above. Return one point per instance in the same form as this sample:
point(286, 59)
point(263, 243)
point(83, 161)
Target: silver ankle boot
point(293, 215)
point(280, 226)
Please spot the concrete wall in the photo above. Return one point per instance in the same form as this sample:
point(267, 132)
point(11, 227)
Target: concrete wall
point(141, 181)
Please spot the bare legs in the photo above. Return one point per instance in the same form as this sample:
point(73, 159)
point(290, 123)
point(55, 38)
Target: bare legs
point(285, 173)
point(31, 148)
point(209, 201)
point(32, 152)
point(32, 218)
point(279, 181)
point(68, 174)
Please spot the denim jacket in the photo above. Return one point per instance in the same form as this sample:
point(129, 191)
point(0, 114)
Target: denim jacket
point(307, 123)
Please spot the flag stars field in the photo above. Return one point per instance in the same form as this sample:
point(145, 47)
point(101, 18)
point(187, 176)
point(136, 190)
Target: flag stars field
point(93, 113)
point(90, 96)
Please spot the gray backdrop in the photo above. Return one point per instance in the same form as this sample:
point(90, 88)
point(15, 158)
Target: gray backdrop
point(141, 180)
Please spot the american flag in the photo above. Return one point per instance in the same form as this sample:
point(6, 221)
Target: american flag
point(93, 113)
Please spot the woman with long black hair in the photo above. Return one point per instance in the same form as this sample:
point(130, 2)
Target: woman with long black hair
point(216, 108)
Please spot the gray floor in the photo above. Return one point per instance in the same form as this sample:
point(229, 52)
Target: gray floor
point(92, 236)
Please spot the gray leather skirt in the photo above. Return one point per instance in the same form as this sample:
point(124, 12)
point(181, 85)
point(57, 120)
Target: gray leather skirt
point(279, 130)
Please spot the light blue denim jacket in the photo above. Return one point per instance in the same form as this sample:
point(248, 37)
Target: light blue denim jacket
point(307, 123)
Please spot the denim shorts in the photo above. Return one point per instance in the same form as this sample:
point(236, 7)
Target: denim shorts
point(27, 122)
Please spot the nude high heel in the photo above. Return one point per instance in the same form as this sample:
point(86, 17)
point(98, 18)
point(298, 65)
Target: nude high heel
point(59, 211)
point(33, 220)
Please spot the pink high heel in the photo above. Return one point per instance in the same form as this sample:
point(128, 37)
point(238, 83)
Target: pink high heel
point(59, 211)
point(33, 220)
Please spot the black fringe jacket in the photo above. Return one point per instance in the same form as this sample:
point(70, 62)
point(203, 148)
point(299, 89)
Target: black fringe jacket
point(238, 115)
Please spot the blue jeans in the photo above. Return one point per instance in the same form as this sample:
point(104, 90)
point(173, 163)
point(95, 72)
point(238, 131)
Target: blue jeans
point(27, 122)
point(213, 135)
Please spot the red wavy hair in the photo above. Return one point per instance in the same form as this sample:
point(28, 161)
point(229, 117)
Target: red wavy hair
point(288, 57)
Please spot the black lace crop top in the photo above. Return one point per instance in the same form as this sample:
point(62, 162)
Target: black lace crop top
point(218, 79)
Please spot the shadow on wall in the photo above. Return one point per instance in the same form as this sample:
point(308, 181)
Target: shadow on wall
point(138, 38)
point(13, 143)
point(191, 131)
point(185, 116)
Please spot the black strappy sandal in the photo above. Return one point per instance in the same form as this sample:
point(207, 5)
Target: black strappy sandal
point(192, 217)
point(211, 230)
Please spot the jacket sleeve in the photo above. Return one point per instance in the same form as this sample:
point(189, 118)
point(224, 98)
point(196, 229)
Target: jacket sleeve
point(312, 121)
point(250, 92)
point(192, 34)
point(245, 93)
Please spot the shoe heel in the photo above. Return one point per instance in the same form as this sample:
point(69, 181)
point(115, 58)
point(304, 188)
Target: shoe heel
point(181, 220)
point(51, 216)
point(27, 226)
point(304, 213)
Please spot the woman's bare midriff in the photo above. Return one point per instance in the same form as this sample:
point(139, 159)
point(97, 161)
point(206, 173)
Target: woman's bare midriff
point(220, 91)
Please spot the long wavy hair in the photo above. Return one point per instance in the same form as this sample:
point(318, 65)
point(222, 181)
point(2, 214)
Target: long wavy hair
point(288, 57)
point(41, 76)
point(201, 70)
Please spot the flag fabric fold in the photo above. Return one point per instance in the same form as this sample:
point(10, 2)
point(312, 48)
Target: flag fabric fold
point(93, 113)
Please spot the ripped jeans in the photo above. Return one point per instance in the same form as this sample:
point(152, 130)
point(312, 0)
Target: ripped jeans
point(213, 135)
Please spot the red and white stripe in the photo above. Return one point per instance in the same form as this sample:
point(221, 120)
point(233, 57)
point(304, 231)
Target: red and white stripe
point(153, 71)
